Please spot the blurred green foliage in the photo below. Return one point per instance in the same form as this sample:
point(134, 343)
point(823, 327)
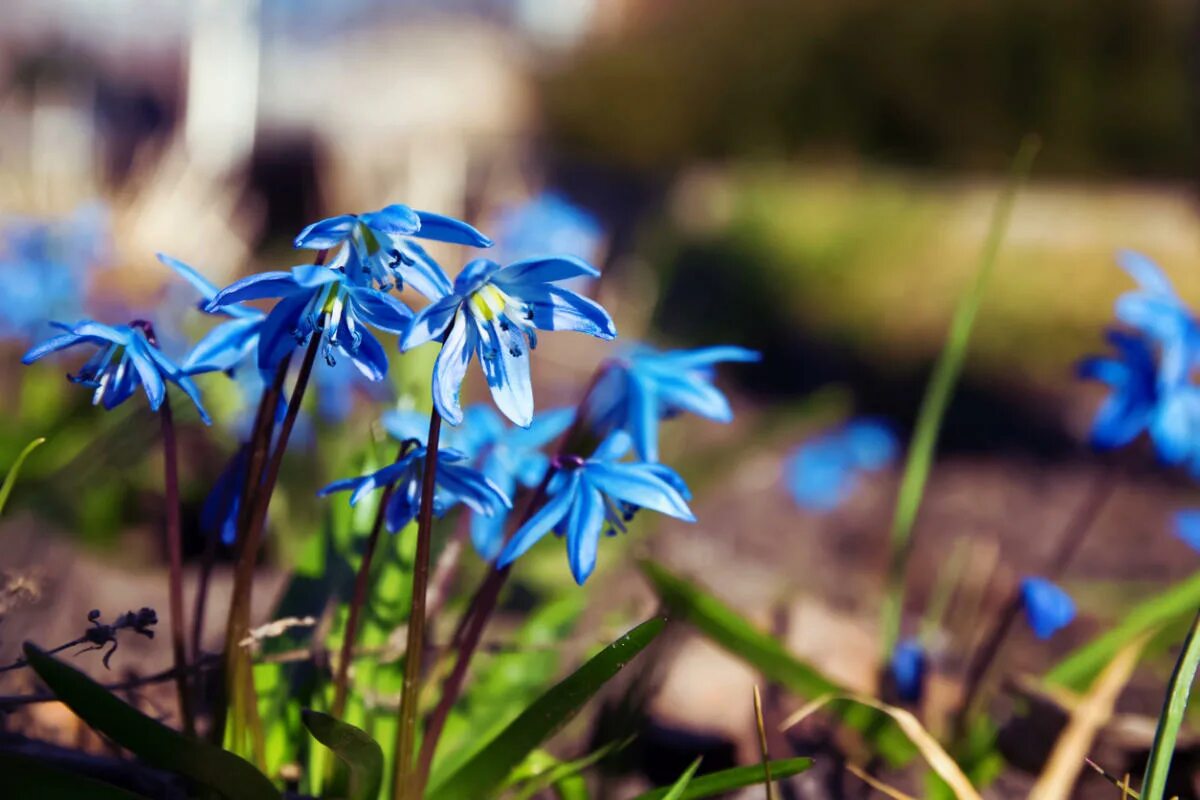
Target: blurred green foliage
point(936, 82)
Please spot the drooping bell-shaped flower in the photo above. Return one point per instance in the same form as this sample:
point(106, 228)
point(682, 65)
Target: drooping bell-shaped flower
point(1047, 607)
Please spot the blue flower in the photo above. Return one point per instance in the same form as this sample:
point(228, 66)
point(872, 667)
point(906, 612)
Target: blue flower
point(1187, 527)
point(125, 360)
point(495, 311)
point(588, 496)
point(377, 247)
point(455, 482)
point(547, 223)
point(1047, 607)
point(908, 666)
point(508, 456)
point(1144, 398)
point(823, 472)
point(644, 385)
point(228, 344)
point(1156, 310)
point(320, 299)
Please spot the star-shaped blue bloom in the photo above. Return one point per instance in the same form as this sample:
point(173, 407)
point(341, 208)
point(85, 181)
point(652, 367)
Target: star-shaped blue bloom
point(644, 385)
point(455, 483)
point(508, 456)
point(823, 472)
point(1047, 607)
point(495, 311)
point(228, 344)
point(908, 665)
point(124, 361)
point(319, 298)
point(586, 496)
point(378, 247)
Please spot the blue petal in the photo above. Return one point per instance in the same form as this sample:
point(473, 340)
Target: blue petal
point(404, 424)
point(474, 275)
point(393, 219)
point(643, 413)
point(310, 276)
point(1187, 527)
point(541, 522)
point(223, 347)
point(545, 270)
point(277, 336)
point(52, 345)
point(870, 443)
point(706, 356)
point(640, 485)
point(1047, 607)
point(206, 288)
point(583, 532)
point(381, 310)
point(370, 357)
point(1175, 427)
point(431, 322)
point(1145, 272)
point(327, 233)
point(254, 287)
point(908, 669)
point(487, 534)
point(692, 392)
point(193, 393)
point(614, 447)
point(448, 229)
point(556, 309)
point(451, 367)
point(418, 270)
point(504, 356)
point(97, 330)
point(152, 381)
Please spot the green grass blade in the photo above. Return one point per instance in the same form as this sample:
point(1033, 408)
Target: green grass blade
point(680, 786)
point(28, 777)
point(1154, 784)
point(11, 478)
point(152, 741)
point(739, 637)
point(360, 752)
point(1082, 665)
point(937, 397)
point(488, 768)
point(727, 780)
point(565, 769)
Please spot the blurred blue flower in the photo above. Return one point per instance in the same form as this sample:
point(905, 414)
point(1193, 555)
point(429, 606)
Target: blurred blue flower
point(320, 299)
point(1047, 607)
point(495, 311)
point(908, 666)
point(455, 482)
point(228, 344)
point(823, 472)
point(547, 223)
point(1144, 398)
point(508, 456)
point(46, 267)
point(644, 385)
point(377, 247)
point(1156, 310)
point(1187, 527)
point(224, 502)
point(587, 496)
point(125, 360)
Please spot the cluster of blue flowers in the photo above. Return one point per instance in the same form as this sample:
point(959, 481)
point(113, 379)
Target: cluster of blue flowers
point(491, 312)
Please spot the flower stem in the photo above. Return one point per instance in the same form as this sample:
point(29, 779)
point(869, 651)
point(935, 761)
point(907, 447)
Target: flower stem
point(406, 784)
point(359, 600)
point(175, 557)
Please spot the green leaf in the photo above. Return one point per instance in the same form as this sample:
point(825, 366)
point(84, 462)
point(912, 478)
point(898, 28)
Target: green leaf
point(681, 785)
point(11, 478)
point(729, 779)
point(1082, 665)
point(28, 777)
point(731, 631)
point(154, 742)
point(558, 772)
point(488, 767)
point(362, 754)
point(1154, 784)
point(937, 397)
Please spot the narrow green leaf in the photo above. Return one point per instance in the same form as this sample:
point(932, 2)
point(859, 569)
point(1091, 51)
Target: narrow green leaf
point(154, 742)
point(487, 768)
point(362, 754)
point(1154, 784)
point(729, 779)
point(730, 630)
point(11, 478)
point(937, 397)
point(681, 785)
point(1083, 664)
point(28, 777)
point(565, 769)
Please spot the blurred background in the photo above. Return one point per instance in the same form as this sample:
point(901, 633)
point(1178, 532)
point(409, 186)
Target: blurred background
point(812, 180)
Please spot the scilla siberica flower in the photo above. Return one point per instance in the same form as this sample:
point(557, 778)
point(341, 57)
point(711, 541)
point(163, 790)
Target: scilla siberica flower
point(125, 360)
point(378, 247)
point(587, 496)
point(1047, 607)
point(508, 456)
point(320, 299)
point(824, 471)
point(229, 343)
point(455, 482)
point(643, 385)
point(495, 311)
